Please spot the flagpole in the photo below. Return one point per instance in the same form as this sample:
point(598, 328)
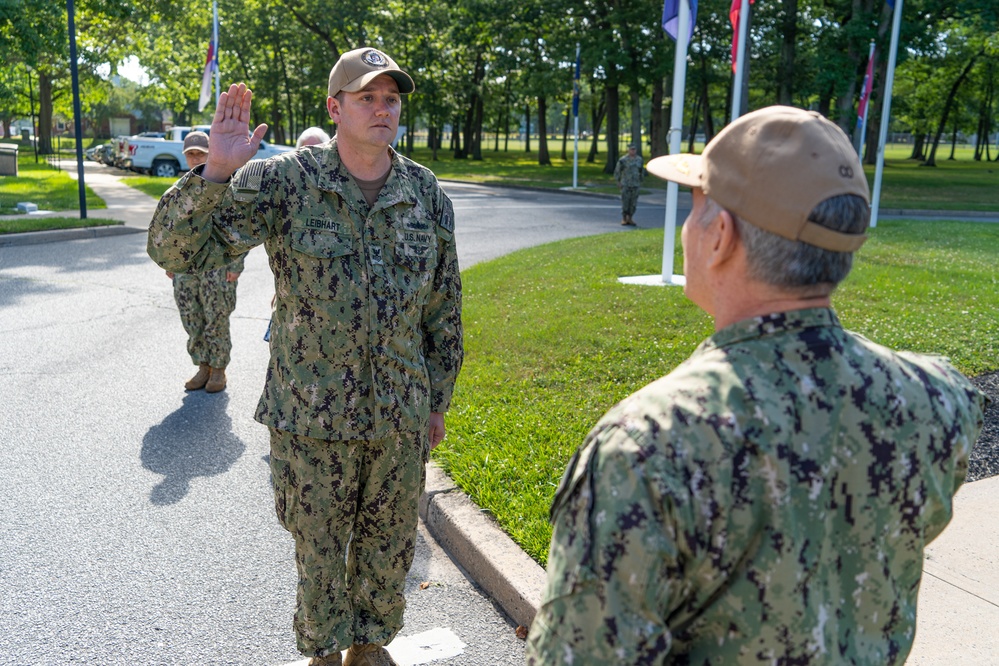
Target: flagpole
point(676, 129)
point(575, 116)
point(215, 36)
point(896, 25)
point(740, 62)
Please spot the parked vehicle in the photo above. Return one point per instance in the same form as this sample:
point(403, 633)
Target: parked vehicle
point(165, 157)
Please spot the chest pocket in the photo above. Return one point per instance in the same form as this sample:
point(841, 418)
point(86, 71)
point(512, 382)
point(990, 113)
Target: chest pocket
point(323, 259)
point(416, 250)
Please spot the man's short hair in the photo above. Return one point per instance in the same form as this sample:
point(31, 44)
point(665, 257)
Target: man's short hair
point(792, 264)
point(772, 168)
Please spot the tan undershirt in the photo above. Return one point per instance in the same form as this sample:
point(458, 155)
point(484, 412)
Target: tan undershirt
point(371, 188)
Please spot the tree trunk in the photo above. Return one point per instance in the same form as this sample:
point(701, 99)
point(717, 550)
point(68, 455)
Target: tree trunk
point(932, 159)
point(709, 123)
point(785, 66)
point(657, 137)
point(636, 118)
point(918, 140)
point(527, 128)
point(543, 157)
point(565, 131)
point(44, 137)
point(613, 127)
point(953, 140)
point(693, 124)
point(598, 111)
point(477, 134)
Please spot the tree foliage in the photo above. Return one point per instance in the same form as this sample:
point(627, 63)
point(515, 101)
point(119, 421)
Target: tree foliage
point(495, 67)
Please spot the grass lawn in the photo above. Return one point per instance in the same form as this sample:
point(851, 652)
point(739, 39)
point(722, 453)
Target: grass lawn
point(151, 185)
point(550, 348)
point(21, 224)
point(43, 185)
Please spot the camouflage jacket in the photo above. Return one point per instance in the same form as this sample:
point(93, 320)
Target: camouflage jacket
point(366, 339)
point(767, 502)
point(629, 171)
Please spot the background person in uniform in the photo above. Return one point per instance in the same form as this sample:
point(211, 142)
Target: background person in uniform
point(205, 301)
point(366, 343)
point(629, 173)
point(313, 136)
point(768, 501)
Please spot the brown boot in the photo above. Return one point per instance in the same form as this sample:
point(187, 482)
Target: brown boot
point(216, 382)
point(631, 221)
point(326, 660)
point(199, 380)
point(624, 220)
point(368, 655)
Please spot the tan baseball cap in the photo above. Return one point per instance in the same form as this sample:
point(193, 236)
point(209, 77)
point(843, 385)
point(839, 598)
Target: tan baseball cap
point(196, 141)
point(356, 69)
point(772, 167)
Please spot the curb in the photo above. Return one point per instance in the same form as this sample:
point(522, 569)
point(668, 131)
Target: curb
point(481, 549)
point(56, 235)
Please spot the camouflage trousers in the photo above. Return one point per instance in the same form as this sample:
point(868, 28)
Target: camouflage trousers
point(629, 200)
point(352, 507)
point(205, 302)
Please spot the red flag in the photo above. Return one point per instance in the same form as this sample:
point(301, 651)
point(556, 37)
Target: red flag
point(733, 16)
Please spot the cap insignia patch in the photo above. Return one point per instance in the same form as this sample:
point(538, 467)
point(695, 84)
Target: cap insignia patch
point(374, 58)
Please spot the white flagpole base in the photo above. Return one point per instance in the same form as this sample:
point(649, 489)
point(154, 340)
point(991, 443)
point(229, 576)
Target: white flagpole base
point(655, 280)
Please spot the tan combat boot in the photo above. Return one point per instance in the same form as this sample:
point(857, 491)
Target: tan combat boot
point(199, 380)
point(216, 382)
point(624, 220)
point(326, 660)
point(368, 655)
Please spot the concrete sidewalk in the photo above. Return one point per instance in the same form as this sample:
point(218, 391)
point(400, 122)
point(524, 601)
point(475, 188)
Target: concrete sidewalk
point(958, 616)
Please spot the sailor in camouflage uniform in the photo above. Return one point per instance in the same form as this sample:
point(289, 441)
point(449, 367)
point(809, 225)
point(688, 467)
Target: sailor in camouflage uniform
point(767, 502)
point(205, 301)
point(629, 174)
point(366, 342)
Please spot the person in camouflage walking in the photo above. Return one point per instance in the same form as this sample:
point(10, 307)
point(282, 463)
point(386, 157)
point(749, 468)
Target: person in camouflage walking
point(366, 342)
point(768, 501)
point(205, 301)
point(629, 173)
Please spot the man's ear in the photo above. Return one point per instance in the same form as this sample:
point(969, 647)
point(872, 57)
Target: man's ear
point(725, 238)
point(333, 107)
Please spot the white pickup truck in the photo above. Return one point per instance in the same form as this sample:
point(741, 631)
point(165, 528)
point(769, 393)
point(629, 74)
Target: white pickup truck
point(165, 157)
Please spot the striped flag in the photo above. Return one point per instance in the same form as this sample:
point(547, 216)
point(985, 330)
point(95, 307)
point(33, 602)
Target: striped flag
point(865, 93)
point(211, 64)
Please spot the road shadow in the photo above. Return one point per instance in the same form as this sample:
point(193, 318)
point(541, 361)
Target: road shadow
point(194, 440)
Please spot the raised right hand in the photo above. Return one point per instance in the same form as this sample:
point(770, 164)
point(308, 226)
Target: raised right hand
point(230, 144)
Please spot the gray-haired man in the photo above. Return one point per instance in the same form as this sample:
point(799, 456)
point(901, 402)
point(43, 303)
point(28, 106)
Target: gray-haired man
point(768, 501)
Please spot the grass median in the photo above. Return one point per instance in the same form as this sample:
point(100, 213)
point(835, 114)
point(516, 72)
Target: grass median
point(44, 186)
point(549, 348)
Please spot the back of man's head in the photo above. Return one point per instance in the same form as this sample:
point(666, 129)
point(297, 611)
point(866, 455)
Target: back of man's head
point(313, 136)
point(796, 187)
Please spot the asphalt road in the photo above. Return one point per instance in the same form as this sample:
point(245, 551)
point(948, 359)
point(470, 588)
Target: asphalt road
point(137, 520)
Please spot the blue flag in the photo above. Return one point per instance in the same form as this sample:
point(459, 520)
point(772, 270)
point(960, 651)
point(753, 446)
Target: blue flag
point(671, 17)
point(891, 3)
